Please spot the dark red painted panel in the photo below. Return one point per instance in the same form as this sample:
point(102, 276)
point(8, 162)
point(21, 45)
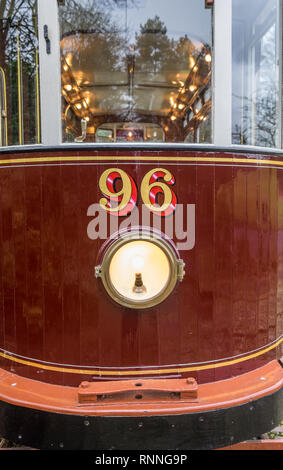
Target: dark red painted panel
point(55, 314)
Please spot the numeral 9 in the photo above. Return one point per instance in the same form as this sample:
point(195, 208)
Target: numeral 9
point(120, 202)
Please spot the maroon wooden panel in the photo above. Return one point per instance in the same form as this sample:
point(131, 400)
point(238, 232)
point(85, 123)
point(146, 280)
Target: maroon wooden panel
point(56, 319)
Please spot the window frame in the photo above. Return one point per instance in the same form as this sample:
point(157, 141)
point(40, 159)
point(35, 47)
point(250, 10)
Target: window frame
point(49, 72)
point(221, 114)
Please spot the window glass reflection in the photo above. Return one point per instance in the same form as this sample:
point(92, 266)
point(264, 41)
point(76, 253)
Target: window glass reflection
point(19, 73)
point(256, 72)
point(136, 70)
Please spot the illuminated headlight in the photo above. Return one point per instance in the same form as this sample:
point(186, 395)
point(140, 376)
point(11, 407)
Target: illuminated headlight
point(140, 269)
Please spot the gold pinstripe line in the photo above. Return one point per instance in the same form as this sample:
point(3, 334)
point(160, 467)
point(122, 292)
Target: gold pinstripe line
point(142, 158)
point(140, 372)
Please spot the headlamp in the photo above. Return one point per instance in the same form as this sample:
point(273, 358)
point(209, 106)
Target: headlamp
point(140, 269)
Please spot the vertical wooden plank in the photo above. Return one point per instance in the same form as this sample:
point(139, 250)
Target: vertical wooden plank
point(240, 264)
point(8, 261)
point(252, 265)
point(186, 297)
point(264, 227)
point(52, 241)
point(2, 323)
point(70, 265)
point(273, 257)
point(149, 338)
point(279, 300)
point(224, 263)
point(205, 271)
point(33, 308)
point(20, 244)
point(90, 310)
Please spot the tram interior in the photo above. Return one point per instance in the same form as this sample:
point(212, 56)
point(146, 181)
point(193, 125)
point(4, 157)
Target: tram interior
point(148, 86)
point(141, 71)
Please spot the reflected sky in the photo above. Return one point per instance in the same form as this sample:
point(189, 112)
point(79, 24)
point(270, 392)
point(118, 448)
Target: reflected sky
point(180, 17)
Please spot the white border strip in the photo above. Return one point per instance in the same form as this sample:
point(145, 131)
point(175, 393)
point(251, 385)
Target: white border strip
point(50, 73)
point(222, 73)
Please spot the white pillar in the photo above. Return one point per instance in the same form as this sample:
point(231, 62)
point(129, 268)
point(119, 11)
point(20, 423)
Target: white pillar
point(222, 73)
point(50, 72)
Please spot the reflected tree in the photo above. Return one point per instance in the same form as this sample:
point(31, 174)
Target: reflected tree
point(18, 43)
point(17, 18)
point(123, 74)
point(262, 131)
point(91, 32)
point(184, 49)
point(154, 50)
point(90, 15)
point(256, 111)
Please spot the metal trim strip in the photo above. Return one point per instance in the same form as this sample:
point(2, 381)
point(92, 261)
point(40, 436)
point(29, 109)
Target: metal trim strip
point(165, 370)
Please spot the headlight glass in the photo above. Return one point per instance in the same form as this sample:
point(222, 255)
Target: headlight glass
point(140, 269)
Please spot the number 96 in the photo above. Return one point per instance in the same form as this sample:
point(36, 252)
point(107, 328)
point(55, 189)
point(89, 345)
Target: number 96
point(120, 191)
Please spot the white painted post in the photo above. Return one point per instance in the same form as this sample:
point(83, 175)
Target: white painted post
point(222, 73)
point(50, 72)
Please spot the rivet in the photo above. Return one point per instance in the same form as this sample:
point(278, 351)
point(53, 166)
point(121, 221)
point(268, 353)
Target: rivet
point(84, 385)
point(190, 381)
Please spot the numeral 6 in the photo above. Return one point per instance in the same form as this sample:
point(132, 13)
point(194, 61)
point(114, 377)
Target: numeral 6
point(152, 185)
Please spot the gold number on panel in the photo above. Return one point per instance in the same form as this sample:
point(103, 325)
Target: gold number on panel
point(158, 181)
point(117, 202)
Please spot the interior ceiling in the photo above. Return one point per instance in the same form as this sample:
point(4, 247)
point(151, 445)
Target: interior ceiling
point(111, 88)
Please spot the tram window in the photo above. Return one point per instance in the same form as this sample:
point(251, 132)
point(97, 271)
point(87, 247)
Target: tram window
point(129, 132)
point(19, 82)
point(256, 72)
point(104, 135)
point(141, 64)
point(3, 109)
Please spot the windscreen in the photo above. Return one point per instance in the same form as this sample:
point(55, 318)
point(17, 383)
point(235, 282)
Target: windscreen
point(136, 70)
point(256, 72)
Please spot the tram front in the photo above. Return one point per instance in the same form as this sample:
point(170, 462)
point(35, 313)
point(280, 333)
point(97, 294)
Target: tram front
point(141, 223)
